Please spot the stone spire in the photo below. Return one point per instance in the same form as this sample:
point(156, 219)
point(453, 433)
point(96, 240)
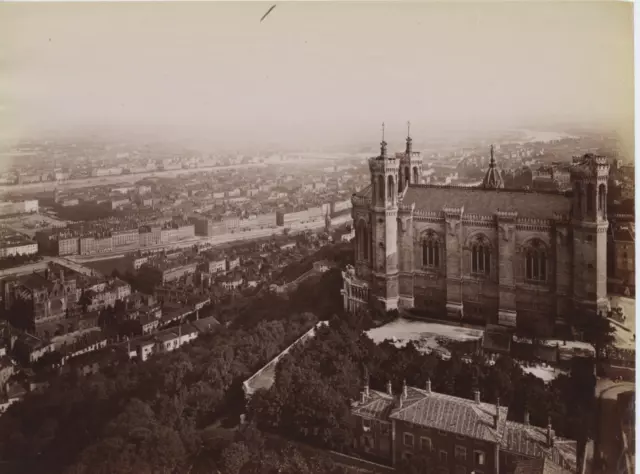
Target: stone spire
point(409, 141)
point(492, 178)
point(383, 145)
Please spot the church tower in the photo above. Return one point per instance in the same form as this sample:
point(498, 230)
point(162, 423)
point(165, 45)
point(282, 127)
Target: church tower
point(589, 177)
point(410, 170)
point(384, 227)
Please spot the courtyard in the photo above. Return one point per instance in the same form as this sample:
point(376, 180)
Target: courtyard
point(428, 337)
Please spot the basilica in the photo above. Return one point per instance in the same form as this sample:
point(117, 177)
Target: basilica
point(501, 256)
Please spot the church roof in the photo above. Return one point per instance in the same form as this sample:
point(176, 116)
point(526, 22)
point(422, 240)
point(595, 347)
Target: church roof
point(486, 201)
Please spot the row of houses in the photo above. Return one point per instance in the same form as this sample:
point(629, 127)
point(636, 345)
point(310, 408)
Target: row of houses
point(64, 242)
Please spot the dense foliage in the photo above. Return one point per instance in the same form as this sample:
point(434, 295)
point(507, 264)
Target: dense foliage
point(156, 416)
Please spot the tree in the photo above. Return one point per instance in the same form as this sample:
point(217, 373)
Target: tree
point(234, 457)
point(597, 330)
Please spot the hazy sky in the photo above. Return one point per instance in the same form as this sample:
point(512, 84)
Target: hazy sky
point(325, 70)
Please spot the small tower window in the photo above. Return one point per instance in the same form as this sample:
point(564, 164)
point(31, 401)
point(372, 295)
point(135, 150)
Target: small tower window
point(407, 176)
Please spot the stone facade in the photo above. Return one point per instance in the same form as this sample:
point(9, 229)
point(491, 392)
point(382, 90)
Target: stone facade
point(486, 254)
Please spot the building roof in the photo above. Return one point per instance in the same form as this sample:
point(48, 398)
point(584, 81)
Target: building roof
point(148, 318)
point(437, 411)
point(531, 441)
point(206, 324)
point(624, 233)
point(484, 201)
point(377, 405)
point(167, 336)
point(452, 414)
point(539, 466)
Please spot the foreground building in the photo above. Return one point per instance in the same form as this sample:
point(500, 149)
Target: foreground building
point(42, 297)
point(456, 435)
point(487, 253)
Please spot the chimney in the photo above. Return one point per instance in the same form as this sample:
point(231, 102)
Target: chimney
point(526, 418)
point(428, 388)
point(496, 417)
point(389, 388)
point(405, 392)
point(399, 401)
point(476, 396)
point(363, 397)
point(550, 433)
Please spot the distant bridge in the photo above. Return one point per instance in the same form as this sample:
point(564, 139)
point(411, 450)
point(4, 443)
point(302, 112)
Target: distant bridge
point(44, 263)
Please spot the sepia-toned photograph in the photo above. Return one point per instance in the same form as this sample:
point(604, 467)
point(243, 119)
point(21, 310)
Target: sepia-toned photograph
point(323, 237)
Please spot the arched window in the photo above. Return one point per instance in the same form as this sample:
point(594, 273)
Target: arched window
point(391, 189)
point(602, 198)
point(590, 197)
point(480, 257)
point(407, 176)
point(381, 188)
point(431, 251)
point(415, 175)
point(535, 262)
